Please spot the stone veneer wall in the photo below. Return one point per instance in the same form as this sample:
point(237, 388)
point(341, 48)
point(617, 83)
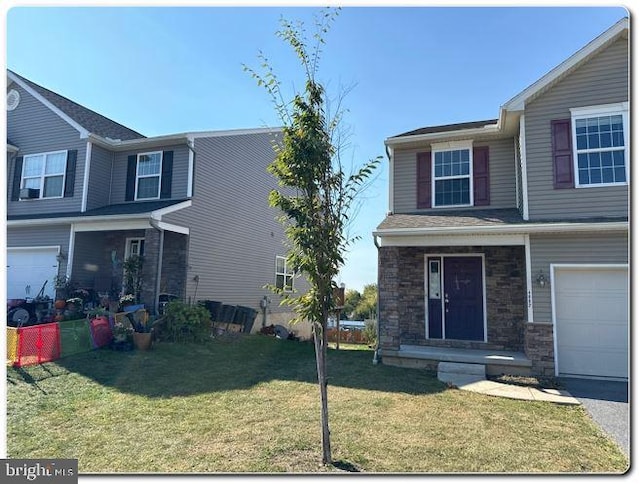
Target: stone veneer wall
point(402, 312)
point(538, 346)
point(174, 264)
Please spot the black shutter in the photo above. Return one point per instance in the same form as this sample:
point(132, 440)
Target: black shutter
point(167, 174)
point(70, 175)
point(131, 178)
point(17, 177)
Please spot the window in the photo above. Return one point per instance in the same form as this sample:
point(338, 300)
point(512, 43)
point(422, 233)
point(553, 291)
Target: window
point(284, 275)
point(600, 147)
point(45, 172)
point(134, 247)
point(452, 172)
point(148, 171)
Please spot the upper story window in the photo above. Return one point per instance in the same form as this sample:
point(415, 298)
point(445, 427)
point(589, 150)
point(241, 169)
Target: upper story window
point(148, 174)
point(284, 274)
point(600, 142)
point(452, 174)
point(45, 172)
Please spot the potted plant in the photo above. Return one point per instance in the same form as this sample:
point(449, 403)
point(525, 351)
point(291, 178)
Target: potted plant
point(132, 269)
point(122, 330)
point(142, 329)
point(63, 287)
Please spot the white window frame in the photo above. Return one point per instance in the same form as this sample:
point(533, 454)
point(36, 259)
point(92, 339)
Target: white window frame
point(158, 175)
point(284, 275)
point(128, 252)
point(42, 174)
point(590, 112)
point(451, 146)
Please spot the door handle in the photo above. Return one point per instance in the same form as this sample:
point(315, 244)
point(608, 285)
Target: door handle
point(446, 303)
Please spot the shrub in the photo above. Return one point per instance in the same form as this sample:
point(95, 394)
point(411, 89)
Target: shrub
point(186, 322)
point(370, 332)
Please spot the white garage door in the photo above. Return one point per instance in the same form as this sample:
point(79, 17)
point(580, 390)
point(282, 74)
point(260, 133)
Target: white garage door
point(592, 321)
point(27, 269)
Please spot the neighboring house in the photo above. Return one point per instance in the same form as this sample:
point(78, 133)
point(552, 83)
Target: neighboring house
point(85, 193)
point(509, 237)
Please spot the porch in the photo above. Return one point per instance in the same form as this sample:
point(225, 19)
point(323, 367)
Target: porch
point(497, 362)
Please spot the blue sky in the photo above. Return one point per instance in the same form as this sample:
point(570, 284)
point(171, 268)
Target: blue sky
point(168, 70)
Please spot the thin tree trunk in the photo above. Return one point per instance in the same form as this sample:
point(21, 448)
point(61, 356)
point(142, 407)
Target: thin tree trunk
point(320, 341)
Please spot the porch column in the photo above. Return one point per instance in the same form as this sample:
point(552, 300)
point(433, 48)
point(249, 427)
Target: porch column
point(388, 262)
point(150, 276)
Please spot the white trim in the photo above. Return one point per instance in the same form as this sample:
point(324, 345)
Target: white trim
point(113, 225)
point(391, 154)
point(43, 174)
point(70, 252)
point(177, 138)
point(157, 214)
point(508, 229)
point(616, 109)
point(83, 132)
point(127, 245)
point(488, 129)
point(517, 103)
point(451, 146)
point(457, 241)
point(554, 322)
point(158, 175)
point(442, 295)
point(191, 146)
point(528, 270)
point(32, 247)
point(465, 144)
point(173, 228)
point(523, 169)
point(85, 182)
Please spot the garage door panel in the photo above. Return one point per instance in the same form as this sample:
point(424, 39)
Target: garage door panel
point(27, 271)
point(591, 315)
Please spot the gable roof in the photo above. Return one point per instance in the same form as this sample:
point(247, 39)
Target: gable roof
point(509, 112)
point(87, 119)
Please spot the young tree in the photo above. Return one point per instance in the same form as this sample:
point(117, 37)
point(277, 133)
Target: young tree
point(316, 196)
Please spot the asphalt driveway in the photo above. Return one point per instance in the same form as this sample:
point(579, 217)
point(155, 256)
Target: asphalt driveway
point(607, 402)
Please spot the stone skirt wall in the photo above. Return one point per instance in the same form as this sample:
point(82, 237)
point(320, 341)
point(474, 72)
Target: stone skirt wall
point(402, 297)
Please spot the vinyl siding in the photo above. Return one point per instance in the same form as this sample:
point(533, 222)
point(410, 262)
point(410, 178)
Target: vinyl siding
point(587, 248)
point(34, 128)
point(501, 175)
point(179, 174)
point(41, 236)
point(603, 80)
point(99, 177)
point(234, 236)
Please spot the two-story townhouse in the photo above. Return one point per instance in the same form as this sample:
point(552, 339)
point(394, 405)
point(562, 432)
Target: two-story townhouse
point(506, 241)
point(85, 193)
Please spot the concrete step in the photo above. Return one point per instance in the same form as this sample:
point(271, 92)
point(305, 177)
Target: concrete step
point(460, 374)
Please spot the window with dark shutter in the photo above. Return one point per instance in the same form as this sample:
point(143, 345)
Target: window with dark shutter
point(132, 162)
point(167, 174)
point(562, 153)
point(17, 178)
point(481, 175)
point(70, 174)
point(424, 180)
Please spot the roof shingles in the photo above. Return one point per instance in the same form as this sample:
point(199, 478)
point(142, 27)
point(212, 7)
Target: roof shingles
point(88, 119)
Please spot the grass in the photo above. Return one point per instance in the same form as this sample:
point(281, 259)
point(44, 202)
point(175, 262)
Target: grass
point(251, 404)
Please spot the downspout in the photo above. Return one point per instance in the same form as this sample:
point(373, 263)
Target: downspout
point(156, 297)
point(375, 353)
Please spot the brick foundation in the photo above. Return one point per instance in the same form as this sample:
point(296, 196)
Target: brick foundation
point(402, 311)
point(538, 346)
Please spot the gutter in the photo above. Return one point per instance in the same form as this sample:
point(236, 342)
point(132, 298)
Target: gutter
point(507, 229)
point(418, 138)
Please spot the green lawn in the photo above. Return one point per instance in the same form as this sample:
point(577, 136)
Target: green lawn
point(251, 404)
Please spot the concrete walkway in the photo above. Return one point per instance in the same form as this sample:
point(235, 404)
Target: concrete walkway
point(472, 378)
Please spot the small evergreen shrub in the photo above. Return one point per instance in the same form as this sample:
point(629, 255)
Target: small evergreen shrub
point(186, 322)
